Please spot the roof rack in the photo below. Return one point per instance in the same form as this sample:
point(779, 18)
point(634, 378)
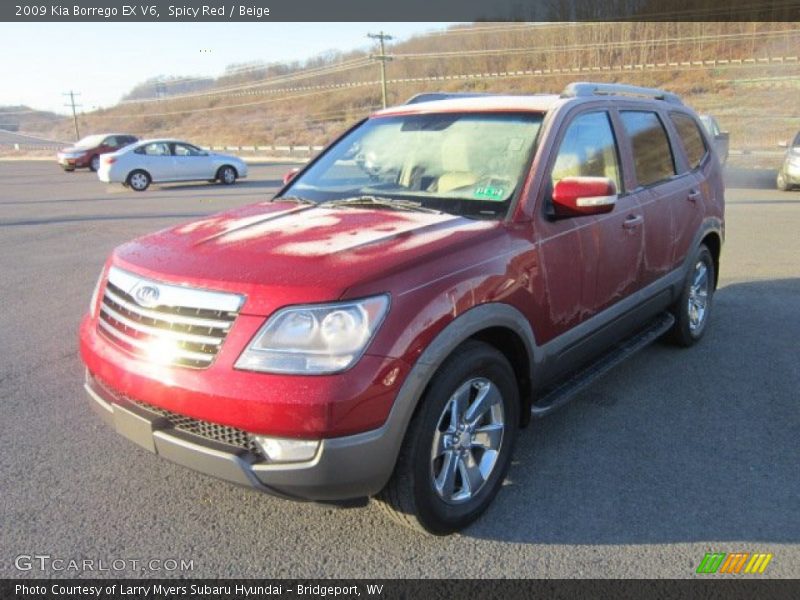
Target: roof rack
point(435, 96)
point(585, 88)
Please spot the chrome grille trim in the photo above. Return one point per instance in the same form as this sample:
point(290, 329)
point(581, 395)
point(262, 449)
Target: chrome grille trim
point(169, 318)
point(143, 346)
point(192, 322)
point(189, 337)
point(176, 295)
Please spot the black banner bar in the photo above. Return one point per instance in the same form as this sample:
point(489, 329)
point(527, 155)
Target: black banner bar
point(245, 589)
point(405, 10)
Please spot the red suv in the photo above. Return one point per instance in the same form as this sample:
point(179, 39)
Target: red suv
point(387, 322)
point(86, 152)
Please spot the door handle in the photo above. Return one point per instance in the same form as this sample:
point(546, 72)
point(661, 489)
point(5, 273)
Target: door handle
point(632, 221)
point(694, 195)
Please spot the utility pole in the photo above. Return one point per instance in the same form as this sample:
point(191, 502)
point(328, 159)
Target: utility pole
point(382, 57)
point(72, 95)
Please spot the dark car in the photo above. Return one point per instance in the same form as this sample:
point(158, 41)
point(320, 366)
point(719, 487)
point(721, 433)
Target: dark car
point(384, 327)
point(85, 154)
point(789, 173)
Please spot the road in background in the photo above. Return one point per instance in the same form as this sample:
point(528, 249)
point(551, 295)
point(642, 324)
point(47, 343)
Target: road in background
point(673, 454)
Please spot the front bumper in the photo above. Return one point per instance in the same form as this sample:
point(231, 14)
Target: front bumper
point(72, 162)
point(792, 173)
point(343, 468)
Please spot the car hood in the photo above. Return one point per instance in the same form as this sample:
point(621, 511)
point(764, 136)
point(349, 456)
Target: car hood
point(280, 253)
point(70, 149)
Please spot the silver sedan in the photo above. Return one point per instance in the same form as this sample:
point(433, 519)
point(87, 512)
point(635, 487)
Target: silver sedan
point(157, 161)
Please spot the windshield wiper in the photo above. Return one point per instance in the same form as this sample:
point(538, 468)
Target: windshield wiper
point(296, 199)
point(382, 202)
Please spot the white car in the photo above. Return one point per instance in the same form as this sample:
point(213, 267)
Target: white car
point(148, 161)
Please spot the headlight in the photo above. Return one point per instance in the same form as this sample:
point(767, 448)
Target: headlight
point(95, 293)
point(315, 339)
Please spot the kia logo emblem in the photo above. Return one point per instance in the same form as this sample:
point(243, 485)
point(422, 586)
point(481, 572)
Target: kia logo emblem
point(147, 295)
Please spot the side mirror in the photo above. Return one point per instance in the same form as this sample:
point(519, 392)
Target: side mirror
point(290, 175)
point(580, 196)
point(783, 144)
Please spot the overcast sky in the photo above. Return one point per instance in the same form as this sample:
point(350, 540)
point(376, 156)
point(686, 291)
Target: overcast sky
point(103, 61)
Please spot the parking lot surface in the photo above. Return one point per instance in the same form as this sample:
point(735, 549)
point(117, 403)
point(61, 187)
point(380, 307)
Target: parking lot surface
point(674, 454)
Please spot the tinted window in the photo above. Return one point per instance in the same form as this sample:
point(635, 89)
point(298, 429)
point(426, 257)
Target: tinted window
point(691, 137)
point(588, 149)
point(652, 155)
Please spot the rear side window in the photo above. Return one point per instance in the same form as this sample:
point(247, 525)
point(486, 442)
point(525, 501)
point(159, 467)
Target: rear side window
point(588, 149)
point(156, 149)
point(691, 137)
point(652, 154)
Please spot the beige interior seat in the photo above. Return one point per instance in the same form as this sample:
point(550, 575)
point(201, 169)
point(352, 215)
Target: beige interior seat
point(456, 171)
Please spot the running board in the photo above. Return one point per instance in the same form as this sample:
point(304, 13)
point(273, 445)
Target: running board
point(565, 391)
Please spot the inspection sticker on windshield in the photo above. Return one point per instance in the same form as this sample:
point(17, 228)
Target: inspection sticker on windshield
point(489, 192)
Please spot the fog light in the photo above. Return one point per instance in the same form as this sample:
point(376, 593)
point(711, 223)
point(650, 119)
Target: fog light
point(287, 450)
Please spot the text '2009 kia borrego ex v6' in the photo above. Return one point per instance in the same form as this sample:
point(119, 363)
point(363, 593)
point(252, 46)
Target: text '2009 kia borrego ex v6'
point(386, 324)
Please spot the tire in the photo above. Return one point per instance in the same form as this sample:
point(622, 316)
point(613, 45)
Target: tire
point(420, 494)
point(693, 308)
point(94, 164)
point(227, 175)
point(781, 183)
point(138, 180)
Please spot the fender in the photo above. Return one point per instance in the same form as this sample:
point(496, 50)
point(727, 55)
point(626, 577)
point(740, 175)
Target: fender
point(389, 437)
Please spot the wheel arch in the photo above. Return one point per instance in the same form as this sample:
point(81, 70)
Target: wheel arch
point(137, 170)
point(713, 242)
point(222, 166)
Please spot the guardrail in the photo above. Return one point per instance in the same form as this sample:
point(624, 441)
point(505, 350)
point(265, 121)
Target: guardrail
point(291, 150)
point(302, 149)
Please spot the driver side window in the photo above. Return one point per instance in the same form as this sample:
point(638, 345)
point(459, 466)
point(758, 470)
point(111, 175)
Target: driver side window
point(588, 149)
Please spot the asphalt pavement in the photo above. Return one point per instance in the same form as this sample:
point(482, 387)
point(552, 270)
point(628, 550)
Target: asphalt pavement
point(674, 454)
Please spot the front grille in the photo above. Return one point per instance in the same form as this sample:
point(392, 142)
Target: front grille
point(204, 429)
point(185, 329)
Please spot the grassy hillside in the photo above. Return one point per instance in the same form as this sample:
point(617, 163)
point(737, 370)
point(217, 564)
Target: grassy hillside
point(729, 69)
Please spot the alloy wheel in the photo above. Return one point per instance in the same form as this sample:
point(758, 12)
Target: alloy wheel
point(698, 297)
point(467, 440)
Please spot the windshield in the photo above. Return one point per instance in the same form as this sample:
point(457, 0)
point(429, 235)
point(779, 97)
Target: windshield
point(90, 141)
point(461, 163)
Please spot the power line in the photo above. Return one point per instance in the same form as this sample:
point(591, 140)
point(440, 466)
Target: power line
point(72, 104)
point(306, 74)
point(383, 58)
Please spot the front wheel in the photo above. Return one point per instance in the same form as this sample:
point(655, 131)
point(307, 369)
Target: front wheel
point(227, 175)
point(781, 183)
point(94, 164)
point(139, 181)
point(693, 308)
point(458, 446)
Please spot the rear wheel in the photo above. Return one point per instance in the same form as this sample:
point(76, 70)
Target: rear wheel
point(458, 446)
point(693, 308)
point(94, 164)
point(139, 180)
point(227, 175)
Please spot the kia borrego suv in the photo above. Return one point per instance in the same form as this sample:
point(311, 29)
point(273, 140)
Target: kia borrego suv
point(441, 273)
